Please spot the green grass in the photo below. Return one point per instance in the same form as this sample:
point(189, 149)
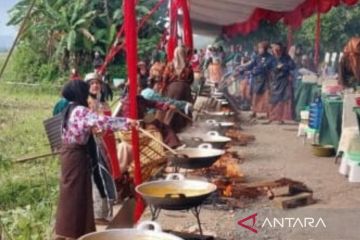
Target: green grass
point(28, 191)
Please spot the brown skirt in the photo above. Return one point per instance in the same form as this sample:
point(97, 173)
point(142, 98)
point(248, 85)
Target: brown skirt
point(75, 214)
point(281, 111)
point(244, 89)
point(179, 90)
point(168, 135)
point(260, 102)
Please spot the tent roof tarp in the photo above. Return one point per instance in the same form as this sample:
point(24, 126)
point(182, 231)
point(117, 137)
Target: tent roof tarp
point(243, 16)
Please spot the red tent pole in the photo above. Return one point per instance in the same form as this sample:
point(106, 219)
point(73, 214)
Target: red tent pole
point(188, 35)
point(173, 29)
point(290, 38)
point(317, 39)
point(131, 57)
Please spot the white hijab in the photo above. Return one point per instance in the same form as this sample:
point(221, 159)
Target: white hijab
point(179, 59)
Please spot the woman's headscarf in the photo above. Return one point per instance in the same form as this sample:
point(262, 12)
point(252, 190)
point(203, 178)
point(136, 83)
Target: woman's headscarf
point(352, 56)
point(77, 92)
point(179, 60)
point(278, 49)
point(292, 52)
point(264, 44)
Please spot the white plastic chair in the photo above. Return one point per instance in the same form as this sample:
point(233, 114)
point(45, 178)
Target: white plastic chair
point(349, 128)
point(304, 116)
point(349, 140)
point(350, 166)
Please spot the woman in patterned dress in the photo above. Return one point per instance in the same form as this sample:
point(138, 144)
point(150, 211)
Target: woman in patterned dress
point(75, 214)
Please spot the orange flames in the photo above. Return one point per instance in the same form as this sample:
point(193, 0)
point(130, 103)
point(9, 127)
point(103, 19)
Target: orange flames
point(228, 167)
point(228, 192)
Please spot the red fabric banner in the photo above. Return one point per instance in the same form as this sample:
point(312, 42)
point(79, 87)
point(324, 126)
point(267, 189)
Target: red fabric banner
point(131, 57)
point(317, 40)
point(118, 46)
point(290, 38)
point(292, 18)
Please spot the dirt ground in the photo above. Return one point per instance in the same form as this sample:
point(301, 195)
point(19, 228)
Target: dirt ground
point(276, 153)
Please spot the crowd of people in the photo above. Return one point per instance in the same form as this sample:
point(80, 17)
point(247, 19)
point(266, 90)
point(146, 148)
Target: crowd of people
point(264, 78)
point(93, 165)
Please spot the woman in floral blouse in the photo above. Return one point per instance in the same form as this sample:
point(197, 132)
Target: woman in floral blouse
point(75, 215)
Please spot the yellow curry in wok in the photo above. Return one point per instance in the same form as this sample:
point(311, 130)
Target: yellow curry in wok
point(162, 191)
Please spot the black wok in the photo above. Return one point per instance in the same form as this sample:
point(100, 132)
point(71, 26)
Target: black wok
point(203, 156)
point(213, 137)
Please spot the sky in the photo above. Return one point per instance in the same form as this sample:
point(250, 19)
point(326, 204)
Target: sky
point(5, 5)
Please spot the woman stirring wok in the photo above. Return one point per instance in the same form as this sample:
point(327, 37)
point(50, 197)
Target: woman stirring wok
point(75, 215)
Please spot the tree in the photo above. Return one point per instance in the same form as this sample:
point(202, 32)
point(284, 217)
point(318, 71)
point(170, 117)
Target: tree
point(73, 30)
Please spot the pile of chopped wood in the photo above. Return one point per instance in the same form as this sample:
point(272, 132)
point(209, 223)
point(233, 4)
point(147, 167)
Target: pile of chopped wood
point(274, 189)
point(292, 195)
point(240, 137)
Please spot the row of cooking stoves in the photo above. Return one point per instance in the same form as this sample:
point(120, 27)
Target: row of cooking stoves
point(204, 146)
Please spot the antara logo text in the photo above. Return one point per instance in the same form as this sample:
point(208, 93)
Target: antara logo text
point(285, 222)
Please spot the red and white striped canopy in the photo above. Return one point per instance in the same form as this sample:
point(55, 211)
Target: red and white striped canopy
point(233, 17)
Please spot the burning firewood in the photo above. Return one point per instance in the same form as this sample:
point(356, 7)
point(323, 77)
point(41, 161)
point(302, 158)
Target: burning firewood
point(236, 190)
point(230, 166)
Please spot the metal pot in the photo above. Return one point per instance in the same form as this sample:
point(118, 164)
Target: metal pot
point(218, 94)
point(195, 158)
point(176, 192)
point(219, 113)
point(213, 137)
point(220, 124)
point(224, 102)
point(141, 232)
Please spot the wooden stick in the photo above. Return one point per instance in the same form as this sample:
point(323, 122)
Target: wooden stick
point(184, 115)
point(158, 141)
point(22, 160)
point(21, 29)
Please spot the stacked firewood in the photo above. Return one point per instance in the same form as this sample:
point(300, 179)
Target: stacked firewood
point(240, 137)
point(229, 188)
point(233, 189)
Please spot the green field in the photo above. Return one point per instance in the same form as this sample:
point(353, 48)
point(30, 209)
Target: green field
point(28, 191)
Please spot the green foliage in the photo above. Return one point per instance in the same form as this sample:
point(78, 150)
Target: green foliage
point(64, 34)
point(28, 192)
point(266, 31)
point(337, 27)
point(147, 46)
point(24, 58)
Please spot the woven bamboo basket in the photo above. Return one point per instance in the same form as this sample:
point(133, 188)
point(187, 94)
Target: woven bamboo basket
point(127, 137)
point(152, 154)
